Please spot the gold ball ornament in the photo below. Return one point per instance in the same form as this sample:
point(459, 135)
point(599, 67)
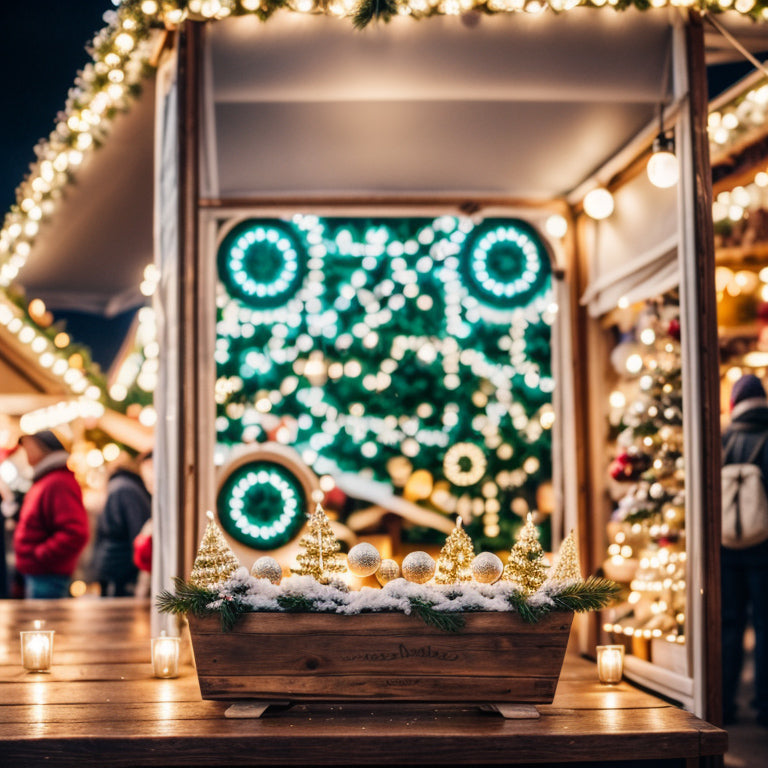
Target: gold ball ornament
point(487, 568)
point(363, 559)
point(388, 571)
point(418, 567)
point(267, 568)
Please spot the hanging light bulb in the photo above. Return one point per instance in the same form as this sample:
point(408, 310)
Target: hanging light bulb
point(598, 203)
point(663, 169)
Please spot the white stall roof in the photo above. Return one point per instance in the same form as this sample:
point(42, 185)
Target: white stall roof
point(505, 105)
point(90, 255)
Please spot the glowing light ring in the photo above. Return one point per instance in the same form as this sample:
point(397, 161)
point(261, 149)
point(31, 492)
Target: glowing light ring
point(262, 505)
point(262, 263)
point(464, 464)
point(505, 263)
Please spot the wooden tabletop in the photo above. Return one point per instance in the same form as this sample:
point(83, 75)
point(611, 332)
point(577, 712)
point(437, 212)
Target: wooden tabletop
point(100, 705)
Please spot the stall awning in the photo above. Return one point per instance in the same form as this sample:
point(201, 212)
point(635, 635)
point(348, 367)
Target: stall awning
point(90, 255)
point(642, 277)
point(634, 253)
point(24, 383)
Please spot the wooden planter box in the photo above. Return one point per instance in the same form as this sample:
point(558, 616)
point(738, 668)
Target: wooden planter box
point(291, 657)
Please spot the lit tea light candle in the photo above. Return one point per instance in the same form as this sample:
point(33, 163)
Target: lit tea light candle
point(165, 656)
point(37, 648)
point(610, 663)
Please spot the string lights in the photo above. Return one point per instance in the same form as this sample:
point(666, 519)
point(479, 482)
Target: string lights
point(598, 203)
point(398, 348)
point(261, 504)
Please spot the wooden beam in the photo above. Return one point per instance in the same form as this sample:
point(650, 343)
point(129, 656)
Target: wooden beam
point(190, 46)
point(707, 410)
point(466, 204)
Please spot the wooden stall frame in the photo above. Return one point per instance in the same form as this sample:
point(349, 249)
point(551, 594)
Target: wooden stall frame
point(701, 385)
point(700, 315)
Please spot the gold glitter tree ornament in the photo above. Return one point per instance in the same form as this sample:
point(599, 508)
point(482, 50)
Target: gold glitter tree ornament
point(319, 555)
point(567, 566)
point(454, 563)
point(525, 565)
point(214, 562)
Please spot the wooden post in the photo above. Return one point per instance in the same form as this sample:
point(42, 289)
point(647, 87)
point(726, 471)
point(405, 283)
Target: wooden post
point(705, 409)
point(190, 45)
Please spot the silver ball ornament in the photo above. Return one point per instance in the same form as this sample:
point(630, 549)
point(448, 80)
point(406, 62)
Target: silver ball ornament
point(363, 559)
point(267, 568)
point(487, 568)
point(388, 571)
point(418, 567)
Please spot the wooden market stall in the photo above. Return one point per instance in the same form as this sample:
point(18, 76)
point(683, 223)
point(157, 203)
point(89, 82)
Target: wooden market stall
point(452, 125)
point(307, 109)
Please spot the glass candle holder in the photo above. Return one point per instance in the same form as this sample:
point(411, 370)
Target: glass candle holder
point(610, 663)
point(165, 656)
point(37, 648)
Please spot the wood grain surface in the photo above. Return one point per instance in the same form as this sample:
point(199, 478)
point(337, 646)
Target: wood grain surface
point(496, 657)
point(101, 706)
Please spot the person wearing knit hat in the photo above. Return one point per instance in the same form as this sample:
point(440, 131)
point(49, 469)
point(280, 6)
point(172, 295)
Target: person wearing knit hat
point(53, 523)
point(748, 387)
point(744, 572)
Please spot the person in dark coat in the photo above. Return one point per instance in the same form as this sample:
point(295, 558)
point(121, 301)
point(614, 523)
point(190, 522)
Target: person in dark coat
point(128, 507)
point(744, 572)
point(53, 524)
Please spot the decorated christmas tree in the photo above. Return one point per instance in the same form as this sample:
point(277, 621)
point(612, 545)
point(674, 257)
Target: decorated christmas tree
point(526, 566)
point(647, 528)
point(567, 566)
point(215, 562)
point(454, 564)
point(319, 555)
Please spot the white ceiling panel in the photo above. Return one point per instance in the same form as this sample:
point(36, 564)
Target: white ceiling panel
point(521, 105)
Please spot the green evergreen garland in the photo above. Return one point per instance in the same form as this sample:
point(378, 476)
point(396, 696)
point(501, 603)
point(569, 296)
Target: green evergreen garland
point(590, 595)
point(374, 10)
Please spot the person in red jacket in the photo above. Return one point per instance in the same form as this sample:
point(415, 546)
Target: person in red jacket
point(53, 524)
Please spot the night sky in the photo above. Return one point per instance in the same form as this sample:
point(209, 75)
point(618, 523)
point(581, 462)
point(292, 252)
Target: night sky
point(42, 47)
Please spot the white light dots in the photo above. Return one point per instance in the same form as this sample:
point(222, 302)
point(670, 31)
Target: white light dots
point(598, 204)
point(556, 226)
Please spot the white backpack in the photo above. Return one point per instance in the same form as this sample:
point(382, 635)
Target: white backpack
point(745, 506)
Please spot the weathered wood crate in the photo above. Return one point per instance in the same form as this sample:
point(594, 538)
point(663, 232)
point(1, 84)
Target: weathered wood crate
point(294, 657)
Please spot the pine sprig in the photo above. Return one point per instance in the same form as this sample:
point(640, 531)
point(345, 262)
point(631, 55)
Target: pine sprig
point(230, 611)
point(590, 595)
point(528, 613)
point(190, 598)
point(448, 622)
point(373, 10)
point(186, 598)
point(296, 603)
